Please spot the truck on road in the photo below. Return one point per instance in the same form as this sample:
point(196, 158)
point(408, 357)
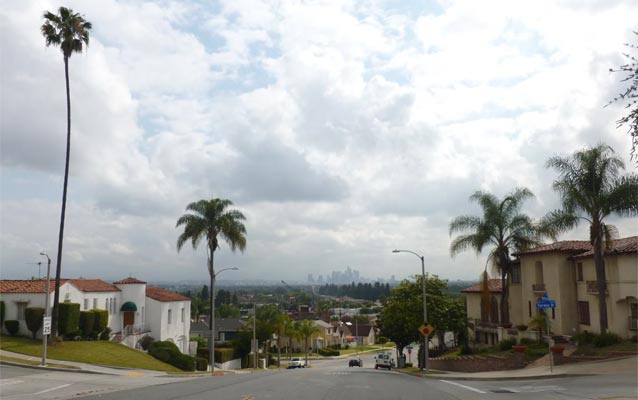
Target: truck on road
point(383, 360)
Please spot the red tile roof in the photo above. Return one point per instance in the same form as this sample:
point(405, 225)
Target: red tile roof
point(570, 246)
point(128, 281)
point(25, 286)
point(39, 286)
point(627, 245)
point(159, 294)
point(494, 285)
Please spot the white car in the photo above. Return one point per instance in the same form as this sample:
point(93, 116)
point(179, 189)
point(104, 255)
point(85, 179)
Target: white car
point(297, 363)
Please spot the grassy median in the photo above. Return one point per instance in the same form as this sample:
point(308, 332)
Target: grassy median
point(93, 352)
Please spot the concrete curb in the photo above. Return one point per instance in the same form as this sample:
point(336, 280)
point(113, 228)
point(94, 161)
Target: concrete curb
point(78, 370)
point(446, 376)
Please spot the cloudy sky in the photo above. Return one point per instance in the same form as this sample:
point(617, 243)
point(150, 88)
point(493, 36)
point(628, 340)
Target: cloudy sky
point(341, 129)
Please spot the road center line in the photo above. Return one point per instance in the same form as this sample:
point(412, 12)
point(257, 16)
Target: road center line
point(10, 382)
point(463, 386)
point(52, 389)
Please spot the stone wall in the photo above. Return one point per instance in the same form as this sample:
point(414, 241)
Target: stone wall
point(479, 363)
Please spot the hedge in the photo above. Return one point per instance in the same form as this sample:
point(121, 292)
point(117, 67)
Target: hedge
point(33, 317)
point(2, 308)
point(222, 355)
point(87, 322)
point(169, 353)
point(69, 318)
point(201, 363)
point(328, 352)
point(101, 320)
point(13, 327)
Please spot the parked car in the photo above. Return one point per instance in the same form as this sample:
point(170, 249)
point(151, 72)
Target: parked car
point(355, 362)
point(297, 363)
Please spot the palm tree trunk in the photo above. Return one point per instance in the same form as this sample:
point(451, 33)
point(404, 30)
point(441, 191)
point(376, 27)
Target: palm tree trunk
point(279, 350)
point(600, 275)
point(58, 267)
point(211, 339)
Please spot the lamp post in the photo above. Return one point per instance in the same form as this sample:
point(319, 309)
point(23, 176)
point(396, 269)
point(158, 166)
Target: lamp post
point(211, 354)
point(46, 310)
point(425, 308)
point(255, 347)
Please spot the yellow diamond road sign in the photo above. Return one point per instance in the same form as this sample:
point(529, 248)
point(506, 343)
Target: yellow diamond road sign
point(426, 329)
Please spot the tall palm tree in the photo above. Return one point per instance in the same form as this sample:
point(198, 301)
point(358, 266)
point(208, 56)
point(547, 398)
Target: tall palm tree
point(502, 228)
point(70, 31)
point(212, 220)
point(306, 329)
point(591, 189)
point(280, 323)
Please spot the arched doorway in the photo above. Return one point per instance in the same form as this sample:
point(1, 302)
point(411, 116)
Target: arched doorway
point(128, 310)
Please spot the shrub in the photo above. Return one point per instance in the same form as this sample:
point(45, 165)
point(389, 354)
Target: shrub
point(506, 344)
point(105, 334)
point(101, 320)
point(527, 342)
point(169, 353)
point(536, 351)
point(409, 365)
point(607, 339)
point(69, 319)
point(2, 310)
point(33, 317)
point(466, 350)
point(203, 353)
point(201, 364)
point(146, 342)
point(584, 338)
point(521, 327)
point(383, 340)
point(328, 352)
point(13, 326)
point(634, 339)
point(87, 322)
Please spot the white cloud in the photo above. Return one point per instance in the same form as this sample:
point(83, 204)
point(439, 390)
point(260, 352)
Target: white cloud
point(342, 129)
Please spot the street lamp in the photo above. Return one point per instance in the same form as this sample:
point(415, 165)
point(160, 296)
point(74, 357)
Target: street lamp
point(211, 354)
point(46, 310)
point(425, 309)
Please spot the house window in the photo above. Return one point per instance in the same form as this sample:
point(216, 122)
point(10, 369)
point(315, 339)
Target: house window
point(114, 305)
point(22, 306)
point(86, 304)
point(494, 310)
point(583, 312)
point(182, 316)
point(143, 316)
point(579, 272)
point(516, 274)
point(553, 313)
point(539, 272)
point(94, 303)
point(106, 304)
point(170, 316)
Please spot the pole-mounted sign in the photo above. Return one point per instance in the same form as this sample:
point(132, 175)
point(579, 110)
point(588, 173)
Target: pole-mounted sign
point(426, 329)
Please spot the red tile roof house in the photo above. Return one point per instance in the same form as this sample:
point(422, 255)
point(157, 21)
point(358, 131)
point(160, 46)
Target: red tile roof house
point(135, 309)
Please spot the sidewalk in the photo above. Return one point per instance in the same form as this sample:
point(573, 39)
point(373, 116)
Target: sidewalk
point(618, 366)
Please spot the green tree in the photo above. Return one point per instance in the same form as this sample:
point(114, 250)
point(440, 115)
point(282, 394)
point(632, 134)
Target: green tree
point(212, 220)
point(280, 324)
point(70, 31)
point(227, 311)
point(591, 189)
point(33, 317)
point(402, 312)
point(503, 228)
point(204, 295)
point(306, 329)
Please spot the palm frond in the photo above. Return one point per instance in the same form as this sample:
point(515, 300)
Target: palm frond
point(464, 223)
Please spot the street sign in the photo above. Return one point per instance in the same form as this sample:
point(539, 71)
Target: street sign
point(426, 329)
point(541, 304)
point(46, 325)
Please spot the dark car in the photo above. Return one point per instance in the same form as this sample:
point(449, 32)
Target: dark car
point(355, 362)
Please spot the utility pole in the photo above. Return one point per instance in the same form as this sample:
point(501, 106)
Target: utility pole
point(46, 321)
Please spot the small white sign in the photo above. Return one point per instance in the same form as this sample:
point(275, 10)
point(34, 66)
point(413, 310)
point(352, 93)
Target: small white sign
point(46, 325)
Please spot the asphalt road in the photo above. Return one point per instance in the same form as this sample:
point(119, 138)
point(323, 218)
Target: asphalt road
point(332, 380)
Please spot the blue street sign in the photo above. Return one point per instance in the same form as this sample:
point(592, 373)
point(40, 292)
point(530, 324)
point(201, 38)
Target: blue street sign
point(546, 304)
point(545, 296)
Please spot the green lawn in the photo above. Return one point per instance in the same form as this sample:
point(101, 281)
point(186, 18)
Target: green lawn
point(96, 352)
point(360, 349)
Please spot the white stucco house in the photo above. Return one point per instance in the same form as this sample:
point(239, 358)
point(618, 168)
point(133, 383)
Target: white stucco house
point(135, 309)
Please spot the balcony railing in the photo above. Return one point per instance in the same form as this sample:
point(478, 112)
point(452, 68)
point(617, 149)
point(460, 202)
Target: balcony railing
point(592, 287)
point(538, 287)
point(135, 329)
point(633, 323)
